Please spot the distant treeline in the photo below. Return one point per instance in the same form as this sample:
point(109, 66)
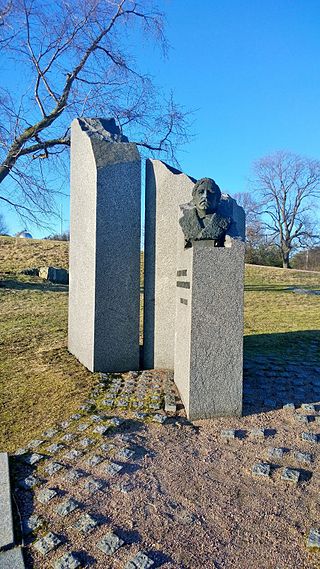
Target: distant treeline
point(270, 256)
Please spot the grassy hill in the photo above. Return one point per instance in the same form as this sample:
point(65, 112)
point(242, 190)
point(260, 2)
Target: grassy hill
point(17, 254)
point(41, 383)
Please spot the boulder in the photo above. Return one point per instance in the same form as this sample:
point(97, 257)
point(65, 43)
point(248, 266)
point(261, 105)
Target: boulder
point(54, 275)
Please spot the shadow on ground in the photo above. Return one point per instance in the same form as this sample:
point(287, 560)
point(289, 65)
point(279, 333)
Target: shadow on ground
point(281, 288)
point(12, 284)
point(281, 369)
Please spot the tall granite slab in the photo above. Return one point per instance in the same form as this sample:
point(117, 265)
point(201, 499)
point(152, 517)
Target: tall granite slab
point(104, 290)
point(166, 189)
point(209, 328)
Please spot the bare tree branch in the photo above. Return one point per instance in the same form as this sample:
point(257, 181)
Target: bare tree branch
point(76, 63)
point(287, 185)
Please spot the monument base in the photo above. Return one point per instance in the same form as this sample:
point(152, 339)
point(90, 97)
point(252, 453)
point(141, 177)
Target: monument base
point(208, 366)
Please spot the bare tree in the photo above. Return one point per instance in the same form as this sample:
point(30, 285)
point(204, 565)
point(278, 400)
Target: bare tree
point(287, 186)
point(3, 225)
point(254, 231)
point(76, 62)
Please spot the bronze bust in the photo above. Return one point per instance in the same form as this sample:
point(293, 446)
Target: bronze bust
point(200, 219)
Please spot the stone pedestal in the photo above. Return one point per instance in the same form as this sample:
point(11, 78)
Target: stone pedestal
point(209, 328)
point(104, 298)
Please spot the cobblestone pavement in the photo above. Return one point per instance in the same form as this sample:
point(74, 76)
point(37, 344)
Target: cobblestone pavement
point(72, 484)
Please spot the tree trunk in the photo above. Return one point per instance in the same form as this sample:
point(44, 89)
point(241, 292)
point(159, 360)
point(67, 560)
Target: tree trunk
point(285, 260)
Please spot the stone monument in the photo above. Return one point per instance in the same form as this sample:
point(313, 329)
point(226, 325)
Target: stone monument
point(208, 359)
point(166, 188)
point(104, 297)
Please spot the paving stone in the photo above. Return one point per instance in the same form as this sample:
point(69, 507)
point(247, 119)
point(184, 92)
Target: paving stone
point(154, 406)
point(140, 416)
point(258, 433)
point(47, 543)
point(309, 437)
point(170, 403)
point(33, 458)
point(67, 561)
point(74, 475)
point(107, 447)
point(137, 404)
point(65, 424)
point(304, 457)
point(302, 418)
point(275, 452)
point(53, 467)
point(96, 418)
point(46, 495)
point(108, 402)
point(126, 487)
point(31, 524)
point(261, 469)
point(86, 407)
point(113, 468)
point(55, 448)
point(73, 454)
point(228, 434)
point(116, 421)
point(94, 460)
point(127, 438)
point(35, 444)
point(86, 524)
point(68, 437)
point(110, 543)
point(29, 482)
point(86, 442)
point(289, 406)
point(21, 451)
point(125, 454)
point(83, 427)
point(314, 538)
point(67, 507)
point(158, 418)
point(290, 475)
point(122, 403)
point(50, 433)
point(101, 429)
point(140, 561)
point(308, 407)
point(92, 486)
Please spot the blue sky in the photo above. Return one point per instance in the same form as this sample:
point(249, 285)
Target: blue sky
point(251, 71)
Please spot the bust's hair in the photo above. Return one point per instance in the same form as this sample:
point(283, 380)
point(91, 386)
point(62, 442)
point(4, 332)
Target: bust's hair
point(209, 183)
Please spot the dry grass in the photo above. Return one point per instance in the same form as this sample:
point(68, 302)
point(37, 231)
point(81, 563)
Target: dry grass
point(18, 254)
point(41, 383)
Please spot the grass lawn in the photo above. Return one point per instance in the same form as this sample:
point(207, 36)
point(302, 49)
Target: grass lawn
point(41, 383)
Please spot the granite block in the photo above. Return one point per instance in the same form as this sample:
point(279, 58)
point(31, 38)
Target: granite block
point(110, 543)
point(12, 559)
point(140, 561)
point(104, 290)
